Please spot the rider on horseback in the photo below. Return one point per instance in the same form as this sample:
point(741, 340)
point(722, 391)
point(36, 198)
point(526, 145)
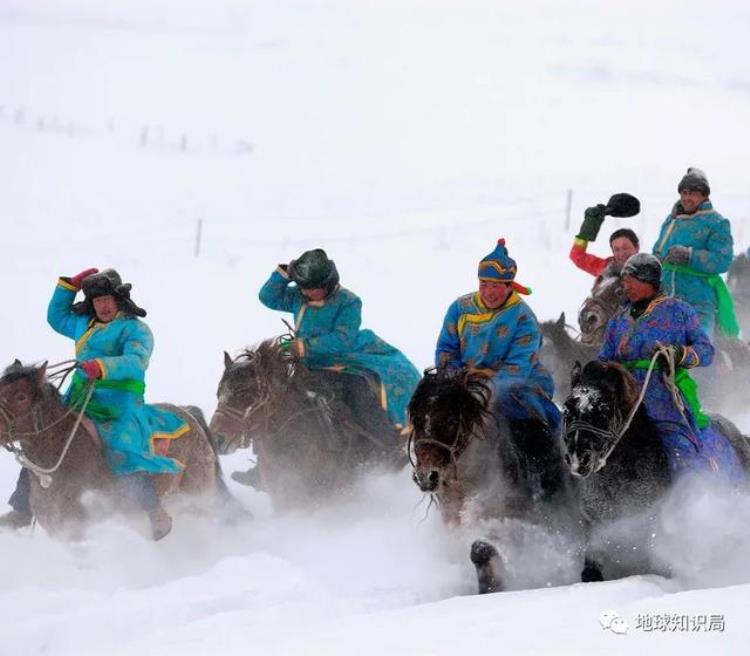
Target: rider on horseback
point(649, 323)
point(495, 332)
point(623, 242)
point(370, 376)
point(113, 347)
point(695, 246)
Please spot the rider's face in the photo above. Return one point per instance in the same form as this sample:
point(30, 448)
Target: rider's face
point(637, 290)
point(691, 199)
point(105, 308)
point(622, 249)
point(494, 294)
point(316, 294)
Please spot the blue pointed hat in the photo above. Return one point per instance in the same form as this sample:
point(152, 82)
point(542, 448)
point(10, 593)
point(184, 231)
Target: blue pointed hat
point(498, 266)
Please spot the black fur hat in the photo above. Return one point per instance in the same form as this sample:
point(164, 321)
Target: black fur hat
point(107, 283)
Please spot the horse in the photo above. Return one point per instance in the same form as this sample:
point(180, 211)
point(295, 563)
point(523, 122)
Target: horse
point(308, 443)
point(559, 351)
point(468, 460)
point(615, 452)
point(606, 296)
point(64, 451)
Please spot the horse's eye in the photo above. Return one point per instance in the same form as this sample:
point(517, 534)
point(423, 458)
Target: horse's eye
point(21, 397)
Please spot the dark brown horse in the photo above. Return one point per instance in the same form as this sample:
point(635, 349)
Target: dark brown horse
point(466, 457)
point(559, 351)
point(47, 434)
point(308, 444)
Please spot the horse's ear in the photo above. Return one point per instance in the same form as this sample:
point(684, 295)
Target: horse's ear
point(561, 321)
point(41, 373)
point(17, 362)
point(227, 360)
point(575, 374)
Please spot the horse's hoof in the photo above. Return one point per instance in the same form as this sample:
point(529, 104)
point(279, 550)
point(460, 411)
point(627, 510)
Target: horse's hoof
point(591, 574)
point(161, 523)
point(482, 552)
point(249, 477)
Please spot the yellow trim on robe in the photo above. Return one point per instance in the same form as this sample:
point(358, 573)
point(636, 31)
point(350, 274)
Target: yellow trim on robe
point(666, 236)
point(484, 317)
point(298, 319)
point(66, 285)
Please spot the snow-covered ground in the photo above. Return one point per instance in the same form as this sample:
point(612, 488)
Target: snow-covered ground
point(404, 137)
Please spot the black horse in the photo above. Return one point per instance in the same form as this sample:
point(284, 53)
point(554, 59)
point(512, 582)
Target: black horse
point(477, 469)
point(614, 450)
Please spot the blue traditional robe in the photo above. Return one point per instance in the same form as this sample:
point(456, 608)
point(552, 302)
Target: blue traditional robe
point(709, 236)
point(122, 347)
point(332, 339)
point(503, 342)
point(669, 321)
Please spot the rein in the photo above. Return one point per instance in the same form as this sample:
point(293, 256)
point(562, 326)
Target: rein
point(44, 474)
point(618, 432)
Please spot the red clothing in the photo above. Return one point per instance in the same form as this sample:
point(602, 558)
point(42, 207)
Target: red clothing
point(587, 262)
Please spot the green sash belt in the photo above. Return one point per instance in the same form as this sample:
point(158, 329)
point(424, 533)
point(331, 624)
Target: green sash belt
point(726, 318)
point(97, 409)
point(685, 383)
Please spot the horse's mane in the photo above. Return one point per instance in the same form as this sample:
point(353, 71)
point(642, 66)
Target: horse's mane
point(625, 387)
point(18, 371)
point(469, 389)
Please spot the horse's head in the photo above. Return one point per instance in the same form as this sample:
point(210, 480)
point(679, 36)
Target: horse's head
point(602, 394)
point(738, 276)
point(245, 388)
point(446, 411)
point(598, 309)
point(21, 388)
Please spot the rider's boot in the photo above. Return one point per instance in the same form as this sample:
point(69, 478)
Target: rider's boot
point(161, 522)
point(147, 497)
point(251, 477)
point(21, 514)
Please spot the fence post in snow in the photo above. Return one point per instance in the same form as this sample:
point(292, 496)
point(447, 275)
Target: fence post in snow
point(198, 237)
point(568, 207)
point(144, 137)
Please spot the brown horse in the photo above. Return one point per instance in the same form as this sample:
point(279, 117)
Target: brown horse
point(46, 435)
point(308, 444)
point(467, 458)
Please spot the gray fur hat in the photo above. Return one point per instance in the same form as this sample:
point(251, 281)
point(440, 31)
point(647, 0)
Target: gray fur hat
point(694, 180)
point(644, 267)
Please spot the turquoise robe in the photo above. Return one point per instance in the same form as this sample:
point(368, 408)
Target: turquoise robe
point(709, 236)
point(122, 347)
point(332, 339)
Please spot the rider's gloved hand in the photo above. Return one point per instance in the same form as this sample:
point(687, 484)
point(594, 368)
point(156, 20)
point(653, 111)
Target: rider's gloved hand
point(78, 279)
point(678, 255)
point(677, 355)
point(593, 218)
point(92, 369)
point(293, 346)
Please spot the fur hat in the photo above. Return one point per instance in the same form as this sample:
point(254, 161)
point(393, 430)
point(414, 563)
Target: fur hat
point(313, 270)
point(107, 283)
point(644, 267)
point(694, 180)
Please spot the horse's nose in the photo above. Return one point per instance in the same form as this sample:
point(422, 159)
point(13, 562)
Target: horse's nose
point(567, 458)
point(427, 481)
